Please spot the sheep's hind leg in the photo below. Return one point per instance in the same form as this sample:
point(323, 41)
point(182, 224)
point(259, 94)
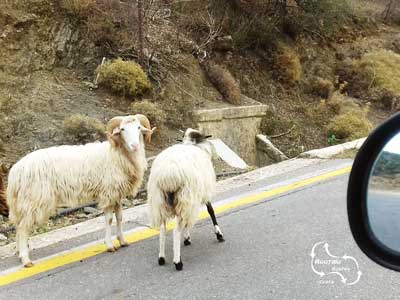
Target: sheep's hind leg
point(161, 254)
point(186, 237)
point(118, 216)
point(22, 245)
point(108, 218)
point(177, 245)
point(218, 232)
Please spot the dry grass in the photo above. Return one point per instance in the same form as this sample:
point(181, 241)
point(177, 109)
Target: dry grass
point(322, 87)
point(274, 124)
point(382, 69)
point(350, 125)
point(83, 129)
point(152, 111)
point(287, 65)
point(224, 82)
point(78, 8)
point(125, 78)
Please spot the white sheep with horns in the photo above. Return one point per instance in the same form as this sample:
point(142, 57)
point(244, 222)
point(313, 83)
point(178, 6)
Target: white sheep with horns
point(182, 178)
point(71, 175)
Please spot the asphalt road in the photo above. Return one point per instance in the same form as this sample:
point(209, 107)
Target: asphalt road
point(384, 216)
point(266, 256)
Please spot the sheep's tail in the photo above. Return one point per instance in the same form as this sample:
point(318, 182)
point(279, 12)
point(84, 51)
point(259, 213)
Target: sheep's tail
point(3, 203)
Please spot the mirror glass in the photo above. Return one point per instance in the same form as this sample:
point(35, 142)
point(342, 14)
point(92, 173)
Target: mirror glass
point(383, 200)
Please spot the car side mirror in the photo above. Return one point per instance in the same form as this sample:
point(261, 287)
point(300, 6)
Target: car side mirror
point(373, 195)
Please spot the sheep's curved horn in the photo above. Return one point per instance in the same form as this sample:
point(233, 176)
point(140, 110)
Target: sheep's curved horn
point(114, 123)
point(144, 121)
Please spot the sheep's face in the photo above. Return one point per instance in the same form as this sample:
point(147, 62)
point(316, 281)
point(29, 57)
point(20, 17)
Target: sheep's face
point(127, 131)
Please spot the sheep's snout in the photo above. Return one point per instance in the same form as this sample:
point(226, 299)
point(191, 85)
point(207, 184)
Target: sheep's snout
point(134, 147)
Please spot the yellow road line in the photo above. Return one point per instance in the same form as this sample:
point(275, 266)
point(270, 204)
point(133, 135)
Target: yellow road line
point(80, 254)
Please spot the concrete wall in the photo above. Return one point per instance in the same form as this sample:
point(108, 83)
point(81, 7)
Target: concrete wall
point(236, 126)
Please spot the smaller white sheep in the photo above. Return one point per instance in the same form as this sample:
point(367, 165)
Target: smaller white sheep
point(182, 178)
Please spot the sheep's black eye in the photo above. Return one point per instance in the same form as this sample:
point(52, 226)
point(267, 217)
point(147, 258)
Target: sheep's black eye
point(138, 127)
point(122, 129)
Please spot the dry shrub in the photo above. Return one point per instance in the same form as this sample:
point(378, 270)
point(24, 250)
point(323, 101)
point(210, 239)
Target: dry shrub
point(83, 129)
point(382, 69)
point(354, 83)
point(339, 103)
point(376, 77)
point(113, 24)
point(322, 87)
point(287, 65)
point(350, 125)
point(272, 124)
point(77, 8)
point(125, 78)
point(224, 82)
point(152, 111)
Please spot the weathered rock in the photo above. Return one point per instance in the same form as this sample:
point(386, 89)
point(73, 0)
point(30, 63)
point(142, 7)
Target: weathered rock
point(223, 43)
point(267, 152)
point(81, 216)
point(90, 210)
point(62, 38)
point(126, 202)
point(2, 237)
point(396, 43)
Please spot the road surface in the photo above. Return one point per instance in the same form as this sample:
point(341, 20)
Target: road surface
point(266, 255)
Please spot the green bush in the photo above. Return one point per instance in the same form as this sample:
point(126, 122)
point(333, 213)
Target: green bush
point(125, 78)
point(83, 129)
point(350, 125)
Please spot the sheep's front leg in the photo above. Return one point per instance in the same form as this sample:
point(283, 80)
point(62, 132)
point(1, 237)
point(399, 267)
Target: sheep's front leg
point(118, 216)
point(108, 218)
point(177, 245)
point(22, 246)
point(218, 232)
point(161, 254)
point(186, 237)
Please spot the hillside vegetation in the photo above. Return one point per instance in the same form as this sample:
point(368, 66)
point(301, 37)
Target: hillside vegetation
point(328, 69)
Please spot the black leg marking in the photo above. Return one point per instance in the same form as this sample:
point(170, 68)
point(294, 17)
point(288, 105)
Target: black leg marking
point(179, 266)
point(187, 242)
point(211, 212)
point(161, 261)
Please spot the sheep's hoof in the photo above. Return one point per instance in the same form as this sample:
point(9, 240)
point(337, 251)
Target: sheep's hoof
point(124, 244)
point(220, 237)
point(179, 266)
point(187, 242)
point(161, 261)
point(111, 249)
point(28, 265)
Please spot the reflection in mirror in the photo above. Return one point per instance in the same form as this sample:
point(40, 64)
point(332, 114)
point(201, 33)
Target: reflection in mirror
point(383, 200)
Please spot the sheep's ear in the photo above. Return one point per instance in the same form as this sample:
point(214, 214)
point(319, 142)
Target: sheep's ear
point(116, 131)
point(114, 139)
point(114, 124)
point(145, 123)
